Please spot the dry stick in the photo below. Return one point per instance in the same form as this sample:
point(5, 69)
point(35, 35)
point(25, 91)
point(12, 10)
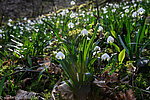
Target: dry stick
point(32, 71)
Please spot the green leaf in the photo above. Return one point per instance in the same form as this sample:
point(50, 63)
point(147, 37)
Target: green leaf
point(122, 43)
point(92, 24)
point(92, 62)
point(142, 33)
point(90, 43)
point(121, 56)
point(115, 69)
point(140, 36)
point(1, 85)
point(29, 61)
point(116, 47)
point(145, 44)
point(114, 34)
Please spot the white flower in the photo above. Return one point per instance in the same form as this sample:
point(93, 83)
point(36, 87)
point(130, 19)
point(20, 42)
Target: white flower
point(125, 7)
point(127, 11)
point(96, 52)
point(54, 52)
point(88, 38)
point(113, 10)
point(70, 25)
point(141, 11)
point(14, 27)
point(0, 46)
point(122, 15)
point(63, 13)
point(77, 23)
point(88, 13)
point(135, 5)
point(84, 32)
point(61, 22)
point(111, 4)
point(72, 15)
point(25, 18)
point(97, 48)
point(0, 35)
point(9, 24)
point(117, 6)
point(106, 16)
point(1, 31)
point(104, 10)
point(105, 56)
point(72, 3)
point(60, 55)
point(29, 21)
point(10, 20)
point(100, 28)
point(83, 12)
point(134, 14)
point(133, 1)
point(110, 39)
point(91, 14)
point(21, 32)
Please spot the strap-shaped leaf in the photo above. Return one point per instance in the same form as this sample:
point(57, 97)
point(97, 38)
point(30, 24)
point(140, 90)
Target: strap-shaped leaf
point(116, 47)
point(90, 43)
point(1, 85)
point(122, 43)
point(121, 56)
point(114, 34)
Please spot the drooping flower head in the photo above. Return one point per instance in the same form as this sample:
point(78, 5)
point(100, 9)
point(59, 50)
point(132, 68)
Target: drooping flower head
point(127, 11)
point(88, 38)
point(72, 15)
point(70, 25)
point(134, 14)
point(110, 39)
point(97, 48)
point(100, 28)
point(72, 3)
point(141, 11)
point(84, 32)
point(60, 55)
point(105, 56)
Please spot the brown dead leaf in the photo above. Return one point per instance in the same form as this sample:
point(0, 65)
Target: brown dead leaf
point(110, 79)
point(125, 80)
point(8, 97)
point(24, 95)
point(131, 68)
point(26, 81)
point(66, 92)
point(130, 95)
point(121, 95)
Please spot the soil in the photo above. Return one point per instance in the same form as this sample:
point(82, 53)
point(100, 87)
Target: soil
point(30, 8)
